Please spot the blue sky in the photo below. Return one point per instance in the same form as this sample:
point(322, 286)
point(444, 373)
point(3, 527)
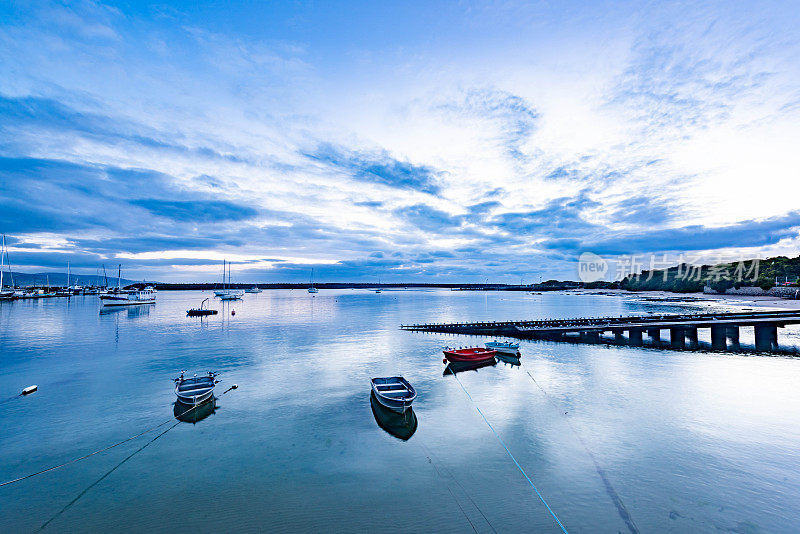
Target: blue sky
point(408, 141)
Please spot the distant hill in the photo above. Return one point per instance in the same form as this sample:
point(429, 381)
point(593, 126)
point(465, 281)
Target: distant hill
point(719, 277)
point(59, 279)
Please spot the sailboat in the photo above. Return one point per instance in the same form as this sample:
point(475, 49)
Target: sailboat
point(5, 294)
point(311, 288)
point(228, 293)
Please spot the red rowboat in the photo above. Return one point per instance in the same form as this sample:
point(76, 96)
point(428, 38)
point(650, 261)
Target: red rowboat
point(474, 354)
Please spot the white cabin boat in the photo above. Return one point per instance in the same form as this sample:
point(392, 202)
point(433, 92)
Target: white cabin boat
point(134, 298)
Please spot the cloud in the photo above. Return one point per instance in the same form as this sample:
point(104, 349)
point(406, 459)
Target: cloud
point(377, 167)
point(689, 238)
point(206, 211)
point(513, 117)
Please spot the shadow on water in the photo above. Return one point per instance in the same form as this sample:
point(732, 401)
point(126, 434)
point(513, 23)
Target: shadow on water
point(188, 414)
point(460, 367)
point(400, 425)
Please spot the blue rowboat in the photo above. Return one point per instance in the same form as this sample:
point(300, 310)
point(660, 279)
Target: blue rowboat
point(196, 389)
point(394, 392)
point(508, 347)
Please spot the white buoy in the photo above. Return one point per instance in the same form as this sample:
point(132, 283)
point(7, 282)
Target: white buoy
point(30, 389)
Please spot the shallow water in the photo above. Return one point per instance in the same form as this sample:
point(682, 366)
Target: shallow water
point(680, 441)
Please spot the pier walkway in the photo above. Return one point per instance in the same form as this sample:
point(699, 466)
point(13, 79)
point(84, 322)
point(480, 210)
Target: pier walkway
point(682, 328)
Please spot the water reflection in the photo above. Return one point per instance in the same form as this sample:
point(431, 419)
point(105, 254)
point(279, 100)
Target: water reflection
point(189, 414)
point(460, 367)
point(131, 311)
point(510, 359)
point(400, 425)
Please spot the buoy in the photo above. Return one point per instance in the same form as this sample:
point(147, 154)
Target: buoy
point(233, 312)
point(30, 389)
point(234, 386)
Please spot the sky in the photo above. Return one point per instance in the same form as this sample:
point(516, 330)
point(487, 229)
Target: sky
point(396, 141)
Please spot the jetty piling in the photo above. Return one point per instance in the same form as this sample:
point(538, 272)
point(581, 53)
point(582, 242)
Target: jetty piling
point(683, 328)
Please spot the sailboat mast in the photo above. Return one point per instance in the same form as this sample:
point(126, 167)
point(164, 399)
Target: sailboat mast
point(119, 278)
point(2, 251)
point(105, 277)
point(67, 275)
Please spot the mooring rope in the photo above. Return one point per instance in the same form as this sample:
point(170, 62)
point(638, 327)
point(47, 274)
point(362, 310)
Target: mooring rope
point(117, 444)
point(612, 493)
point(430, 459)
point(541, 497)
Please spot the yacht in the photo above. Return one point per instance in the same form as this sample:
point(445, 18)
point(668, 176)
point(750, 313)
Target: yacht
point(311, 288)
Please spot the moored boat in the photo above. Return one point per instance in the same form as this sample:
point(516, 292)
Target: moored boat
point(394, 392)
point(196, 389)
point(199, 312)
point(254, 289)
point(134, 298)
point(508, 347)
point(471, 354)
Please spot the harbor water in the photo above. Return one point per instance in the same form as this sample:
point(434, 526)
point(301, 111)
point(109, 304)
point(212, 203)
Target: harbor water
point(614, 438)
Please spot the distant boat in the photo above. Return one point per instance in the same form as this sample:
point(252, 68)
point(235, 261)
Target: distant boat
point(253, 289)
point(311, 288)
point(195, 390)
point(199, 312)
point(472, 354)
point(394, 392)
point(228, 293)
point(10, 293)
point(508, 347)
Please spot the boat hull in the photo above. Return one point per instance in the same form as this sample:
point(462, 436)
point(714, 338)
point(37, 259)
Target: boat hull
point(476, 354)
point(512, 348)
point(126, 302)
point(194, 390)
point(385, 392)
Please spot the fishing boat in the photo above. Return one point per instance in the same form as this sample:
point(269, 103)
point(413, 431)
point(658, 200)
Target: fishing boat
point(196, 389)
point(200, 312)
point(253, 289)
point(400, 425)
point(311, 288)
point(471, 354)
point(507, 347)
point(394, 392)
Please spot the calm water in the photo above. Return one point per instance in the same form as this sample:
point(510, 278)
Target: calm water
point(684, 441)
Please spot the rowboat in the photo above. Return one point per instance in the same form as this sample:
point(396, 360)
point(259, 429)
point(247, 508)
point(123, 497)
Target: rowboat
point(196, 389)
point(400, 425)
point(394, 392)
point(509, 347)
point(472, 354)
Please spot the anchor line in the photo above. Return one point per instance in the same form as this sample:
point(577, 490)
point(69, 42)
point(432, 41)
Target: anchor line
point(612, 493)
point(541, 497)
point(117, 444)
point(430, 458)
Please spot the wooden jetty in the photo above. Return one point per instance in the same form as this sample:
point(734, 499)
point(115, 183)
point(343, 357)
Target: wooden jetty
point(682, 328)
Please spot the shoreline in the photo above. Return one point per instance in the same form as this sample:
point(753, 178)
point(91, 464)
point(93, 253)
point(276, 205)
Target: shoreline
point(750, 301)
